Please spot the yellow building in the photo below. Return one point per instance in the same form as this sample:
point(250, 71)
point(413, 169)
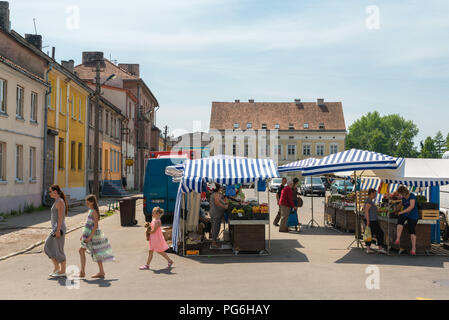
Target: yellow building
point(67, 131)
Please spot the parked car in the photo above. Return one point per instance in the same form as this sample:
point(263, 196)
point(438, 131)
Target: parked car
point(312, 185)
point(275, 184)
point(326, 182)
point(341, 187)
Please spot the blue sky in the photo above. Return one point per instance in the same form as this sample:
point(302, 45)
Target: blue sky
point(193, 52)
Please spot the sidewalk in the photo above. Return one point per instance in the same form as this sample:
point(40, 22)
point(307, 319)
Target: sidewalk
point(20, 232)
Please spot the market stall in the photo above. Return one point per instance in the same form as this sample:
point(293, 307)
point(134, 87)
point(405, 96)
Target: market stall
point(245, 226)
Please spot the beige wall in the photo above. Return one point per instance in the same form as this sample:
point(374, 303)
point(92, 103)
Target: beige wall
point(14, 195)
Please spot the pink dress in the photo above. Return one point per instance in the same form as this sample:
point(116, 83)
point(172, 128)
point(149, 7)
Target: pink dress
point(157, 241)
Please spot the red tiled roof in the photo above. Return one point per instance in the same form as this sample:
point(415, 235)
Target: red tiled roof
point(225, 114)
point(87, 72)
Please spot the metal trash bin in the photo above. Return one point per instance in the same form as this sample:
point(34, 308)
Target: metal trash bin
point(128, 212)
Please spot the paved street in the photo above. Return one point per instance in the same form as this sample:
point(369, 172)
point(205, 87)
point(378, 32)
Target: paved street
point(312, 264)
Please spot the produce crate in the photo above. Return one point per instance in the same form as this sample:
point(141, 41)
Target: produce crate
point(429, 214)
point(260, 216)
point(345, 220)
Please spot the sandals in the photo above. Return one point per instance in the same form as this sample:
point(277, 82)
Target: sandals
point(413, 253)
point(170, 264)
point(145, 267)
point(99, 276)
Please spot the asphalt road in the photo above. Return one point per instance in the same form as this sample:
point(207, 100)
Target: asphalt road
point(311, 264)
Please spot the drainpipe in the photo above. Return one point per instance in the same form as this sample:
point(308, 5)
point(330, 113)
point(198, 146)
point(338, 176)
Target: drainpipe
point(45, 134)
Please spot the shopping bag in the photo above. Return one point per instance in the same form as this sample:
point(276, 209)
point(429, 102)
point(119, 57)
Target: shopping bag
point(292, 219)
point(367, 237)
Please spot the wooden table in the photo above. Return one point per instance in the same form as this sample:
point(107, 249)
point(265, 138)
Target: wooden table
point(345, 219)
point(248, 235)
point(423, 234)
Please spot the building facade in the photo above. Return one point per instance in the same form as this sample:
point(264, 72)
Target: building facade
point(22, 104)
point(284, 132)
point(127, 76)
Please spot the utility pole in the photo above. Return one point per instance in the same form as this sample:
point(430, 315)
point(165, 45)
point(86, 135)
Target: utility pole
point(165, 138)
point(96, 186)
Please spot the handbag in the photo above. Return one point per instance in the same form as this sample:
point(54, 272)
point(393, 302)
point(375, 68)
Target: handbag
point(300, 202)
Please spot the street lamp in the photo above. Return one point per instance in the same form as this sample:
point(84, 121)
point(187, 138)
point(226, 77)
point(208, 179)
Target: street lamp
point(96, 184)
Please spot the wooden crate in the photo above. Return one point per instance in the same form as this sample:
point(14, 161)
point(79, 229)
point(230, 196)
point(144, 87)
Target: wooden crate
point(362, 195)
point(429, 214)
point(345, 220)
point(248, 237)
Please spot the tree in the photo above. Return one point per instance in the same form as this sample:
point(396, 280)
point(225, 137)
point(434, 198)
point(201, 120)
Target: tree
point(447, 141)
point(391, 135)
point(429, 149)
point(440, 143)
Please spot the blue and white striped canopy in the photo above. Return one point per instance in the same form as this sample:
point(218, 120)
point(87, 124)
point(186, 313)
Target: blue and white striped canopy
point(228, 171)
point(374, 183)
point(349, 160)
point(297, 165)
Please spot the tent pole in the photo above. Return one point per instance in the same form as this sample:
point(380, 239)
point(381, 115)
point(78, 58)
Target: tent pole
point(269, 229)
point(183, 226)
point(310, 224)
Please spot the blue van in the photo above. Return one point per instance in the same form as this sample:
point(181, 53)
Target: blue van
point(159, 190)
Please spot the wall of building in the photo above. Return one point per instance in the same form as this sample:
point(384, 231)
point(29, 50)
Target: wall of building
point(15, 195)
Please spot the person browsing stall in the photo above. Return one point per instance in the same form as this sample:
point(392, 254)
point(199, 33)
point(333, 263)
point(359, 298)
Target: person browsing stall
point(371, 221)
point(216, 212)
point(239, 195)
point(286, 203)
point(278, 197)
point(409, 214)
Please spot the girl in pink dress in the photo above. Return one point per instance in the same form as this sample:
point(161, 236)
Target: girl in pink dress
point(156, 238)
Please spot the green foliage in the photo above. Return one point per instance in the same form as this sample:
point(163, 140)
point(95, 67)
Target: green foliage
point(391, 135)
point(440, 143)
point(429, 149)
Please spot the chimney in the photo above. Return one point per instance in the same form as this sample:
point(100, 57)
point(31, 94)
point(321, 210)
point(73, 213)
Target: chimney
point(53, 49)
point(91, 57)
point(5, 23)
point(34, 39)
point(132, 68)
point(251, 100)
point(69, 65)
point(320, 102)
point(237, 101)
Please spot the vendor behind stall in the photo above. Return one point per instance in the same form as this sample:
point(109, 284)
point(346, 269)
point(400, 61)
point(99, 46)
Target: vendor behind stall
point(371, 221)
point(239, 195)
point(409, 214)
point(216, 212)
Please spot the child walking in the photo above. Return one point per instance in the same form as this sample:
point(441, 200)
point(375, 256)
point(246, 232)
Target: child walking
point(156, 238)
point(93, 240)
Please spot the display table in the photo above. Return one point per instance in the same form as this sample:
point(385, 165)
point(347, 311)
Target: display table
point(345, 219)
point(423, 234)
point(248, 235)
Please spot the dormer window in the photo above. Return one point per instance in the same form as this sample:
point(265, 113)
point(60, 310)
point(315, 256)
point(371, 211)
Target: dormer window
point(277, 126)
point(249, 125)
point(236, 125)
point(264, 125)
point(321, 125)
point(306, 126)
point(291, 126)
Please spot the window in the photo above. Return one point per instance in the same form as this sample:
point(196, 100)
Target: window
point(2, 96)
point(246, 149)
point(291, 126)
point(72, 155)
point(320, 149)
point(80, 110)
point(306, 148)
point(19, 102)
point(249, 125)
point(89, 156)
point(236, 125)
point(277, 126)
point(62, 102)
point(321, 125)
point(291, 149)
point(80, 156)
point(279, 150)
point(107, 122)
point(32, 164)
point(234, 149)
point(267, 150)
point(19, 163)
point(333, 148)
point(33, 115)
point(61, 153)
point(111, 153)
point(73, 106)
point(306, 125)
point(264, 125)
point(2, 161)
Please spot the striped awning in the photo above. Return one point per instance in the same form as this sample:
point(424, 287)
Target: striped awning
point(228, 171)
point(374, 183)
point(352, 160)
point(297, 165)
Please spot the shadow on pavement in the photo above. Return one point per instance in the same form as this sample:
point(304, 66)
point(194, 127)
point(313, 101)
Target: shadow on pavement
point(284, 250)
point(321, 231)
point(103, 283)
point(163, 271)
point(358, 256)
